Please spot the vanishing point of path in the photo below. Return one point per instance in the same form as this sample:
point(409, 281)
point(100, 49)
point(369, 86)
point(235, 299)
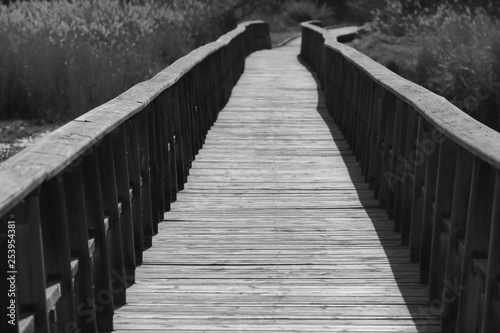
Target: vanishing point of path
point(276, 230)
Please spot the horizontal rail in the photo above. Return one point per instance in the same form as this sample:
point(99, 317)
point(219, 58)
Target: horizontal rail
point(84, 202)
point(435, 169)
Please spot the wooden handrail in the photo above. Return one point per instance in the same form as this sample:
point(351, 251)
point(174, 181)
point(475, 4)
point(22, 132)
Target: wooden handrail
point(86, 200)
point(435, 169)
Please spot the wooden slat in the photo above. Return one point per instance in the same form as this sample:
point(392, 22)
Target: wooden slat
point(275, 229)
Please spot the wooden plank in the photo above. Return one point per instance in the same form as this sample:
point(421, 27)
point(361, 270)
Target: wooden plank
point(275, 229)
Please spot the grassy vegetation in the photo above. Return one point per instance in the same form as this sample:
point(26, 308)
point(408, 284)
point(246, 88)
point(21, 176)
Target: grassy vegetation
point(64, 58)
point(452, 50)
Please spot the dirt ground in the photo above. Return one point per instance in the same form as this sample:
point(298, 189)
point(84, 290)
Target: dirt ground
point(15, 135)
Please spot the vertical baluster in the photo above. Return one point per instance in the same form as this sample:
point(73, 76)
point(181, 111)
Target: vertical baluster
point(346, 107)
point(352, 121)
point(476, 247)
point(119, 146)
point(378, 154)
point(56, 246)
point(396, 177)
point(144, 158)
point(367, 142)
point(459, 211)
point(214, 90)
point(30, 279)
point(430, 149)
point(374, 140)
point(360, 117)
point(186, 130)
point(78, 229)
point(442, 214)
point(180, 150)
point(344, 83)
point(110, 206)
point(409, 175)
point(158, 136)
point(202, 107)
point(387, 134)
point(98, 230)
point(211, 89)
point(154, 168)
point(134, 167)
point(490, 318)
point(165, 137)
point(417, 159)
point(198, 105)
point(172, 144)
point(190, 117)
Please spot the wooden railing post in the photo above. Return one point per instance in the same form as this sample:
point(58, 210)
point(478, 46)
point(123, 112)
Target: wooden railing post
point(134, 167)
point(149, 217)
point(490, 321)
point(395, 176)
point(417, 158)
point(407, 171)
point(458, 221)
point(30, 276)
point(98, 225)
point(164, 137)
point(442, 215)
point(475, 251)
point(120, 156)
point(430, 150)
point(180, 143)
point(58, 263)
point(83, 243)
point(112, 211)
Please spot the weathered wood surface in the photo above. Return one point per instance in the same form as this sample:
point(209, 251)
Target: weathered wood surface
point(276, 229)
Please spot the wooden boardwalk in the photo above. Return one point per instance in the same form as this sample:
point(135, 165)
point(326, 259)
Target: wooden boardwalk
point(276, 230)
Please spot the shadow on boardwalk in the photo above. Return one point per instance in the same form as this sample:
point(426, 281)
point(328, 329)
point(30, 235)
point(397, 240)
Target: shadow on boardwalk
point(413, 293)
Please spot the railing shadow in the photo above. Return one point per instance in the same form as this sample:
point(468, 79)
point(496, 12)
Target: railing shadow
point(405, 273)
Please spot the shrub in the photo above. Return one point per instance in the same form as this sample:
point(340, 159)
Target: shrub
point(458, 60)
point(397, 17)
point(457, 52)
point(301, 11)
point(361, 10)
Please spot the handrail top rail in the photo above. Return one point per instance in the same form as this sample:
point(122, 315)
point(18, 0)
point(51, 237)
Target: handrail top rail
point(25, 171)
point(455, 124)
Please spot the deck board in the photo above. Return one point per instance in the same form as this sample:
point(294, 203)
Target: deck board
point(276, 230)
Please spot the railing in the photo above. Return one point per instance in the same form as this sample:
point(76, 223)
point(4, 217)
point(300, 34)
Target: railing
point(85, 202)
point(435, 170)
